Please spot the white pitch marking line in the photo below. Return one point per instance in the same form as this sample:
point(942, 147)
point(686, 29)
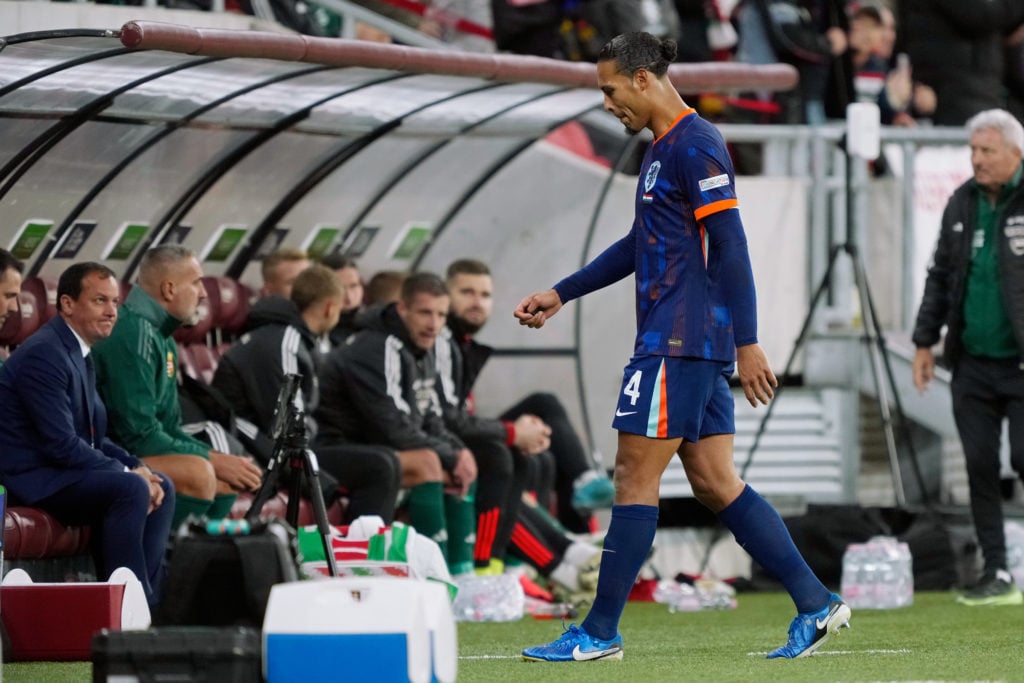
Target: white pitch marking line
point(901, 651)
point(490, 657)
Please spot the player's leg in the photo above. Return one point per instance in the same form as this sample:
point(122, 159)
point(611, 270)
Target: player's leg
point(423, 475)
point(195, 483)
point(757, 526)
point(639, 464)
point(580, 486)
point(647, 442)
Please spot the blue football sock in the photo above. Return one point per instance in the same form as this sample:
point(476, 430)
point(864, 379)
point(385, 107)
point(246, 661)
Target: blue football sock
point(762, 533)
point(629, 539)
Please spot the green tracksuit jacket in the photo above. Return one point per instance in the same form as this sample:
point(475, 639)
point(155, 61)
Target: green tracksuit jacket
point(137, 376)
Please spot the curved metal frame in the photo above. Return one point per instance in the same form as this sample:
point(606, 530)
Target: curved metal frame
point(148, 143)
point(319, 173)
point(48, 139)
point(227, 161)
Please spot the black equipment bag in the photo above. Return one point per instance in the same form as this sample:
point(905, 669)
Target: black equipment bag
point(224, 579)
point(178, 653)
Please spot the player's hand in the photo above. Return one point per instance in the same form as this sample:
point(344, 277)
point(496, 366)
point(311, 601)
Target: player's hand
point(532, 434)
point(756, 375)
point(237, 471)
point(156, 491)
point(464, 472)
point(923, 368)
point(534, 310)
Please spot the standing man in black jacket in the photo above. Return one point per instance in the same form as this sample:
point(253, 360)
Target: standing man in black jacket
point(975, 287)
point(282, 340)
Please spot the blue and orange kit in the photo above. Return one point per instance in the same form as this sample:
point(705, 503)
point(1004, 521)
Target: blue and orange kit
point(694, 285)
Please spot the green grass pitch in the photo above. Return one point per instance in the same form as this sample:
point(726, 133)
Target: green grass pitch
point(934, 640)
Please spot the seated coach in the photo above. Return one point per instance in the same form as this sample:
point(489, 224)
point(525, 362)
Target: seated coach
point(56, 455)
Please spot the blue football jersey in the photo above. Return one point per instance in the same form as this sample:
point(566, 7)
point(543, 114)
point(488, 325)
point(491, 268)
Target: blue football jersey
point(681, 309)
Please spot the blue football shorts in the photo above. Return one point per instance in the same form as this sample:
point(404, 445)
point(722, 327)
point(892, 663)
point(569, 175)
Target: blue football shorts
point(664, 397)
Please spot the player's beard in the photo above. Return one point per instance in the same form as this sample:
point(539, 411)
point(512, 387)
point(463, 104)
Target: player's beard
point(461, 326)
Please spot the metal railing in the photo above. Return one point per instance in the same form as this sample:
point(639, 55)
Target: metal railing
point(815, 154)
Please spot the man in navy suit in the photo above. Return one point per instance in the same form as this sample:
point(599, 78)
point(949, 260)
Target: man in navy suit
point(53, 424)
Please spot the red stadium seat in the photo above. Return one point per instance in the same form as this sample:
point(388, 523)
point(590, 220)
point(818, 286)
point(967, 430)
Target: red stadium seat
point(246, 298)
point(19, 326)
point(186, 362)
point(226, 297)
point(204, 360)
point(196, 334)
point(45, 291)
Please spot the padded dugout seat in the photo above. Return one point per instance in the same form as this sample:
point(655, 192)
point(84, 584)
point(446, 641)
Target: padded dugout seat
point(33, 534)
point(18, 327)
point(230, 301)
point(45, 290)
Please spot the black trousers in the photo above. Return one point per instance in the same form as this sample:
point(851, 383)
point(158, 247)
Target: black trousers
point(571, 458)
point(369, 475)
point(985, 392)
point(501, 479)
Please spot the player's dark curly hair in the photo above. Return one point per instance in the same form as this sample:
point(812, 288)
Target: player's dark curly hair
point(639, 50)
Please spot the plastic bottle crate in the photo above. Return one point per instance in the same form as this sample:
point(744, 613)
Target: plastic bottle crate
point(178, 653)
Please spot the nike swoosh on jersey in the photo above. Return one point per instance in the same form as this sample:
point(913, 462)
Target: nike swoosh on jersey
point(581, 656)
point(619, 413)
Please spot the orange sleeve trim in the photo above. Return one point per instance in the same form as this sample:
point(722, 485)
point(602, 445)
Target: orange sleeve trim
point(714, 207)
point(686, 112)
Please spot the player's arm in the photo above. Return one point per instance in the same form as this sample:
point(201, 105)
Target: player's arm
point(610, 266)
point(726, 237)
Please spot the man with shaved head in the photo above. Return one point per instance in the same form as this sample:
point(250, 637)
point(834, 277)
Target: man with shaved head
point(137, 368)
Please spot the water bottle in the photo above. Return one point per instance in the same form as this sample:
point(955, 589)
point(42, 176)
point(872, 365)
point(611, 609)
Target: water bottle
point(680, 597)
point(852, 585)
point(488, 598)
point(895, 586)
point(905, 577)
point(1014, 533)
point(878, 574)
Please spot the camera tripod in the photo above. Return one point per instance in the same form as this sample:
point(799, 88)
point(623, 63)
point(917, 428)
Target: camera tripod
point(291, 447)
point(878, 352)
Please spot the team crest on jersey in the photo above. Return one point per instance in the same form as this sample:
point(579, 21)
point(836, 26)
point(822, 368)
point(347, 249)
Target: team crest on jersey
point(170, 364)
point(649, 180)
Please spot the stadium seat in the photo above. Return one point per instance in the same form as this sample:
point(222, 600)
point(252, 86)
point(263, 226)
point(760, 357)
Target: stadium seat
point(45, 291)
point(187, 364)
point(204, 362)
point(196, 334)
point(17, 328)
point(32, 534)
point(226, 297)
point(246, 298)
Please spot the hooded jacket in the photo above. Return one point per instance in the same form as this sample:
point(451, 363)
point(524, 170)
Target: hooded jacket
point(278, 343)
point(459, 361)
point(379, 387)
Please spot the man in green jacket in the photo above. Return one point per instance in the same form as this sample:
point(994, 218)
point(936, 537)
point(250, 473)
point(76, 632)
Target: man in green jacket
point(137, 370)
